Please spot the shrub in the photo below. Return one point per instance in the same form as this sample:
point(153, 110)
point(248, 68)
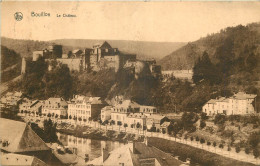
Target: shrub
point(238, 149)
point(214, 144)
point(220, 119)
point(247, 150)
point(229, 148)
point(202, 141)
point(256, 152)
point(208, 143)
point(202, 124)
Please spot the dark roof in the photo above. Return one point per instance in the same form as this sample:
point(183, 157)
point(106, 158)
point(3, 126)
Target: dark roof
point(19, 137)
point(18, 159)
point(148, 153)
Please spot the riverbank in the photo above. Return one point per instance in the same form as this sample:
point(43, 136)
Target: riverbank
point(98, 134)
point(196, 155)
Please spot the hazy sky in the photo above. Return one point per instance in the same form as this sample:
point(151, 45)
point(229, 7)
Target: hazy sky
point(144, 21)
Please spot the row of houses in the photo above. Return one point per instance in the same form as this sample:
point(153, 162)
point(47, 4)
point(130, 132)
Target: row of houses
point(131, 114)
point(83, 108)
point(11, 99)
point(238, 104)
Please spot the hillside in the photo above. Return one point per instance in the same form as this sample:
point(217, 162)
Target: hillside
point(10, 64)
point(232, 42)
point(143, 49)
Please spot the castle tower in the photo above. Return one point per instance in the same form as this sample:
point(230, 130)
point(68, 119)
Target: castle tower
point(23, 68)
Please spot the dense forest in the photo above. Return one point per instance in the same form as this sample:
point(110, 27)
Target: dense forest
point(229, 44)
point(10, 64)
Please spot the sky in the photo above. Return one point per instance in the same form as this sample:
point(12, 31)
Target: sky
point(139, 21)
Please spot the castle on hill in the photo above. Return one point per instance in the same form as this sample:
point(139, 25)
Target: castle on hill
point(101, 56)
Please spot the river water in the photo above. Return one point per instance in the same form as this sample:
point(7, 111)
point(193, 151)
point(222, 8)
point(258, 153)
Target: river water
point(87, 146)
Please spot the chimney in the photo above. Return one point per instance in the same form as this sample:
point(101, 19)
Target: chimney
point(105, 154)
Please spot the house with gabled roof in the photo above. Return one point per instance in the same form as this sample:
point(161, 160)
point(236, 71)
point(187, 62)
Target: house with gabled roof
point(135, 154)
point(238, 104)
point(18, 159)
point(18, 138)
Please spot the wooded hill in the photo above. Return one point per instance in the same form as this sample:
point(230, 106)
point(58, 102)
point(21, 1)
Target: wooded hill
point(10, 64)
point(230, 43)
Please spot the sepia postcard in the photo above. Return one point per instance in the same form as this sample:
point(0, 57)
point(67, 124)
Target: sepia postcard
point(130, 83)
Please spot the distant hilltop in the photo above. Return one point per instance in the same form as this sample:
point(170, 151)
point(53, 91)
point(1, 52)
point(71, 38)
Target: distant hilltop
point(142, 49)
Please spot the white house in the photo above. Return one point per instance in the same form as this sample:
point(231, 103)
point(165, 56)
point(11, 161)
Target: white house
point(106, 113)
point(55, 106)
point(148, 110)
point(84, 108)
point(136, 118)
point(121, 111)
point(239, 104)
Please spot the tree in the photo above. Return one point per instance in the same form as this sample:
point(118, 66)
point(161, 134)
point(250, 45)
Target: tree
point(221, 146)
point(138, 125)
point(80, 119)
point(176, 128)
point(202, 141)
point(202, 124)
point(188, 119)
point(58, 82)
point(70, 117)
point(205, 70)
point(247, 150)
point(229, 148)
point(56, 116)
point(203, 116)
point(105, 123)
point(125, 126)
point(144, 128)
point(254, 139)
point(220, 119)
point(112, 122)
point(215, 144)
point(186, 137)
point(256, 152)
point(49, 115)
point(50, 131)
point(208, 143)
point(238, 149)
point(119, 123)
point(191, 138)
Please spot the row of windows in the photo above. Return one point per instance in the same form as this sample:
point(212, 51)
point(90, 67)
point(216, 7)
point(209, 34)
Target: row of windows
point(79, 106)
point(79, 112)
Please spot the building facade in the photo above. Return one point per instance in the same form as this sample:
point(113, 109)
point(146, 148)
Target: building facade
point(82, 108)
point(121, 110)
point(106, 113)
point(32, 106)
point(238, 104)
point(55, 106)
